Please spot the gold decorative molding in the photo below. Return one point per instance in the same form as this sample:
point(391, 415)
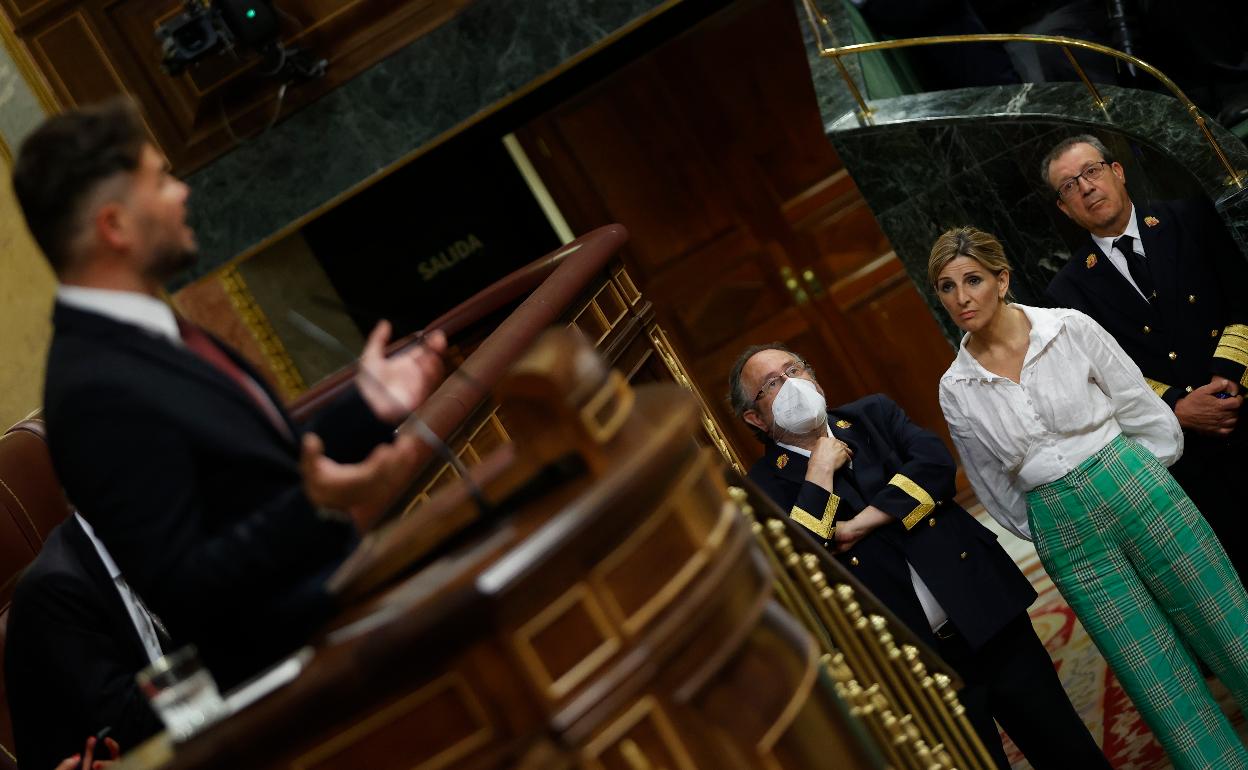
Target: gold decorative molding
point(289, 380)
point(664, 348)
point(555, 685)
point(680, 509)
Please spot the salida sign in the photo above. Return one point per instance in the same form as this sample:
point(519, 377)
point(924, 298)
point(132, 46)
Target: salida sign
point(451, 255)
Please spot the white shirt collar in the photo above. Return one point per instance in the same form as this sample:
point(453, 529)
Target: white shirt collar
point(105, 556)
point(1045, 325)
point(798, 449)
point(1106, 244)
point(130, 307)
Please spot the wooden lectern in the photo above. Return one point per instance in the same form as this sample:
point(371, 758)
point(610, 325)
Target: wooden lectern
point(602, 606)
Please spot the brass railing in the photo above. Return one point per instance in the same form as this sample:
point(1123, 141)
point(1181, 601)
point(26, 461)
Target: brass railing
point(819, 22)
point(900, 694)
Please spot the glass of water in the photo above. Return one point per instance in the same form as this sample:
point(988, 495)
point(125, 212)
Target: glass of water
point(182, 692)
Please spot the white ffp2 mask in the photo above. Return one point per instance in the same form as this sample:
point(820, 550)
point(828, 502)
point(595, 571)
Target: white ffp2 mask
point(799, 407)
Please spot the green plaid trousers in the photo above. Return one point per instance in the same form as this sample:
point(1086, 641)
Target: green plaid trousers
point(1144, 572)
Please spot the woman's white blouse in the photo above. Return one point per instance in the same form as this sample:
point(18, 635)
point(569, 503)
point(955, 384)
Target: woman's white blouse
point(1078, 390)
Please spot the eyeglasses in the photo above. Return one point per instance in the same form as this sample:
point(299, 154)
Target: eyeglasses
point(1089, 174)
point(795, 369)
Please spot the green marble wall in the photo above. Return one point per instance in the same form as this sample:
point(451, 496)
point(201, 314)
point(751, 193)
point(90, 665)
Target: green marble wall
point(929, 161)
point(923, 178)
point(487, 54)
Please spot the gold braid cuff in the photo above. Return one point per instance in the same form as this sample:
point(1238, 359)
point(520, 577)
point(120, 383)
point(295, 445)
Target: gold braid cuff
point(822, 527)
point(1234, 344)
point(1159, 388)
point(926, 503)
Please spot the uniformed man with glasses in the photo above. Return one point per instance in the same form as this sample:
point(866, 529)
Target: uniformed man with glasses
point(878, 490)
point(1170, 284)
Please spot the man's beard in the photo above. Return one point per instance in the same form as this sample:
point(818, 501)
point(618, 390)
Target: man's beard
point(168, 263)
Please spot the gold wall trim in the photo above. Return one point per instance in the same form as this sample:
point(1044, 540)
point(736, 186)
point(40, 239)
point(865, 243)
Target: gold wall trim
point(290, 381)
point(667, 353)
point(538, 188)
point(819, 22)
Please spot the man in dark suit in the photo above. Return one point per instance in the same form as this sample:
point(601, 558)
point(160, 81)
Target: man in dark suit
point(73, 647)
point(223, 514)
point(1170, 284)
point(878, 490)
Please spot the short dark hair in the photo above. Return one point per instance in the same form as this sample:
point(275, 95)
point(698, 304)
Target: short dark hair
point(62, 162)
point(738, 399)
point(1061, 147)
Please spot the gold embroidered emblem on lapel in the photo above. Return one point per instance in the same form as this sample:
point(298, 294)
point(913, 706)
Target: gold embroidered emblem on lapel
point(1152, 221)
point(782, 461)
point(843, 424)
point(1090, 261)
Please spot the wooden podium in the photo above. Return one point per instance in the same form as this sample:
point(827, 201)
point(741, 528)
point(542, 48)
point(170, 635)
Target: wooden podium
point(591, 594)
point(605, 608)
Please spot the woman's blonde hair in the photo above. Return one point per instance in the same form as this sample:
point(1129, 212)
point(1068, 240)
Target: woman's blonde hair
point(971, 242)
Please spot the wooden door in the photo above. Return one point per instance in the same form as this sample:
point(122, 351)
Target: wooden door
point(745, 226)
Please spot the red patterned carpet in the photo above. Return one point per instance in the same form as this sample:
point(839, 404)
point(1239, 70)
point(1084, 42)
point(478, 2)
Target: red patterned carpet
point(1093, 689)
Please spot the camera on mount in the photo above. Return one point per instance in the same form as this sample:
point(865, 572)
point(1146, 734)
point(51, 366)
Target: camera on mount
point(207, 27)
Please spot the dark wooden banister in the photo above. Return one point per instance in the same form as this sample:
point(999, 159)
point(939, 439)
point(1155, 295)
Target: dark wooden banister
point(467, 387)
point(552, 283)
point(490, 299)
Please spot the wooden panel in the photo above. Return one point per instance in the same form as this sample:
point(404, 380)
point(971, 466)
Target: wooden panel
point(566, 642)
point(837, 221)
point(93, 77)
point(431, 728)
point(656, 562)
point(188, 114)
point(894, 326)
point(711, 151)
point(643, 736)
point(713, 293)
point(644, 178)
point(20, 10)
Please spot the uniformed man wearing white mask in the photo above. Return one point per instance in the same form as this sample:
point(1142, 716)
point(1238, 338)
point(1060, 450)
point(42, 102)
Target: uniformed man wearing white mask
point(878, 490)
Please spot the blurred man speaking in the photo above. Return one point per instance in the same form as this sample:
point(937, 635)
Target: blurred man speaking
point(223, 514)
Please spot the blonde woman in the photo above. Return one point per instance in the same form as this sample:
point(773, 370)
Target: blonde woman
point(1065, 444)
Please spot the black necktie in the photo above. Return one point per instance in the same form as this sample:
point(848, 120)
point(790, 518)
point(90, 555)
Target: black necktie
point(1136, 265)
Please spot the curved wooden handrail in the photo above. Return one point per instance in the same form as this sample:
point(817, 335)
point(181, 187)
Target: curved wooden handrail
point(467, 387)
point(490, 299)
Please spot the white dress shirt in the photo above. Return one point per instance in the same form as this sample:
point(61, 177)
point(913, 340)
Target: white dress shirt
point(138, 613)
point(130, 307)
point(1077, 391)
point(936, 615)
point(1116, 257)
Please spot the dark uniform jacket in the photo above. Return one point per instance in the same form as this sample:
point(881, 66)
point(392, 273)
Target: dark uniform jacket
point(194, 490)
point(907, 472)
point(71, 655)
point(1197, 326)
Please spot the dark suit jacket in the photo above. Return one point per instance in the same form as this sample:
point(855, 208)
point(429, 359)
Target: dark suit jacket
point(72, 654)
point(907, 472)
point(1195, 328)
point(194, 491)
